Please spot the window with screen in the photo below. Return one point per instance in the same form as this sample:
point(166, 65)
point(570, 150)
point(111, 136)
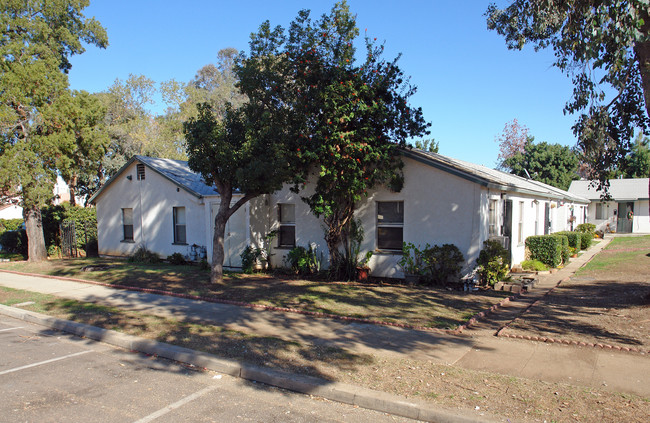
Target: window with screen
point(180, 234)
point(287, 230)
point(390, 225)
point(127, 224)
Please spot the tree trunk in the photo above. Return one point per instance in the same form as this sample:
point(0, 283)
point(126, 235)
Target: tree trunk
point(216, 274)
point(35, 238)
point(642, 51)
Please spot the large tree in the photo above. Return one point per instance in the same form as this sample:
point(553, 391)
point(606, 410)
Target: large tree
point(37, 39)
point(552, 164)
point(605, 47)
point(349, 118)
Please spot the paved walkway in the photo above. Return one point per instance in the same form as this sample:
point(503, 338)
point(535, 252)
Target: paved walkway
point(477, 348)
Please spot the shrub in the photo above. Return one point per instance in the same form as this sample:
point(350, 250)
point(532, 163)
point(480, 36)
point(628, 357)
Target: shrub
point(411, 261)
point(85, 222)
point(142, 255)
point(586, 238)
point(586, 228)
point(304, 261)
point(14, 242)
point(10, 224)
point(573, 238)
point(176, 259)
point(249, 258)
point(545, 248)
point(441, 263)
point(535, 265)
point(493, 262)
point(566, 253)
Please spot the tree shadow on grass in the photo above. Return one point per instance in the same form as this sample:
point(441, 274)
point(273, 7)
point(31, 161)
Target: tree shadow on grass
point(603, 311)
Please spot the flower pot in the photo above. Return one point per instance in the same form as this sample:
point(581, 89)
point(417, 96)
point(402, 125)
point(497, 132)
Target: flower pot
point(362, 274)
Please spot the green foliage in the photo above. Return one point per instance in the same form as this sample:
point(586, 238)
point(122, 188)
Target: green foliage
point(573, 238)
point(604, 48)
point(432, 264)
point(14, 242)
point(441, 263)
point(38, 37)
point(586, 228)
point(411, 262)
point(84, 218)
point(546, 248)
point(250, 257)
point(143, 255)
point(586, 239)
point(430, 145)
point(566, 253)
point(176, 259)
point(304, 261)
point(493, 262)
point(54, 251)
point(552, 164)
point(346, 119)
point(10, 224)
point(534, 265)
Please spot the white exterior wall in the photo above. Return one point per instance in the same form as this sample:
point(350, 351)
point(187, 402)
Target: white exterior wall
point(641, 222)
point(152, 200)
point(11, 212)
point(439, 208)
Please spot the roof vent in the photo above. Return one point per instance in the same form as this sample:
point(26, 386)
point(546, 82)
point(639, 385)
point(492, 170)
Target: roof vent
point(140, 172)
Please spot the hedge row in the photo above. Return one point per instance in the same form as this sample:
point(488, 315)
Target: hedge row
point(546, 248)
point(574, 238)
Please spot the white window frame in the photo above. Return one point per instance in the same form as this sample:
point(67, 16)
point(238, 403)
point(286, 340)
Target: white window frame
point(127, 225)
point(177, 225)
point(389, 225)
point(286, 223)
point(520, 229)
point(494, 229)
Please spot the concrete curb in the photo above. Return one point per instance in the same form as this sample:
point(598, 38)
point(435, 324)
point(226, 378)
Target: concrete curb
point(341, 392)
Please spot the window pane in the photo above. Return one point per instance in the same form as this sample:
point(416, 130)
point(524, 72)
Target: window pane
point(179, 215)
point(179, 234)
point(390, 212)
point(128, 232)
point(389, 238)
point(287, 236)
point(127, 216)
point(287, 213)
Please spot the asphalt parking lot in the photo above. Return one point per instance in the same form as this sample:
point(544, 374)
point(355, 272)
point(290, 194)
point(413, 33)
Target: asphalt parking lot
point(50, 376)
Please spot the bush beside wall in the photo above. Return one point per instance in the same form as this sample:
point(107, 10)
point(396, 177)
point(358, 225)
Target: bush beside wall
point(546, 248)
point(574, 238)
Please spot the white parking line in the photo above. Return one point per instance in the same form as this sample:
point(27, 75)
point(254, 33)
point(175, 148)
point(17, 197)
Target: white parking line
point(17, 327)
point(4, 372)
point(177, 404)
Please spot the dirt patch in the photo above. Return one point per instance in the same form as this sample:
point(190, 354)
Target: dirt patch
point(606, 302)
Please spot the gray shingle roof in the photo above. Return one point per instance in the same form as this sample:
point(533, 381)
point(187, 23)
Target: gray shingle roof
point(619, 189)
point(180, 173)
point(491, 177)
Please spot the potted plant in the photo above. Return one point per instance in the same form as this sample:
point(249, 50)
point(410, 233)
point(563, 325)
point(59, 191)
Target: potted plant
point(363, 270)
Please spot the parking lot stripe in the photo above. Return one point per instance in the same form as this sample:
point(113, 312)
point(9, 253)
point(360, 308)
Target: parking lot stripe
point(177, 404)
point(17, 327)
point(4, 372)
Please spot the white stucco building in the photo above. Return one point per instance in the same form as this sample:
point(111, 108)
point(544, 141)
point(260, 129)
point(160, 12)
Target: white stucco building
point(162, 205)
point(626, 211)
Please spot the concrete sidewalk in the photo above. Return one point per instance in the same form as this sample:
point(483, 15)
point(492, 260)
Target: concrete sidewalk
point(477, 348)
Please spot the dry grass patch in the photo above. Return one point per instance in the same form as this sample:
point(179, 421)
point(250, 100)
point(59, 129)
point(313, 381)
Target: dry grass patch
point(417, 306)
point(488, 394)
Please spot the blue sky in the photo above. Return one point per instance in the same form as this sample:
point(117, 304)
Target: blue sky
point(469, 84)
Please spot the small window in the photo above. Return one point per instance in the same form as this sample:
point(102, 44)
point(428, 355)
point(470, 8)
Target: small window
point(127, 224)
point(599, 211)
point(390, 225)
point(536, 217)
point(140, 171)
point(493, 223)
point(287, 218)
point(180, 234)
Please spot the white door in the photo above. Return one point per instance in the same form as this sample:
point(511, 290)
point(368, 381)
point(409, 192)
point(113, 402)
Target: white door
point(235, 236)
